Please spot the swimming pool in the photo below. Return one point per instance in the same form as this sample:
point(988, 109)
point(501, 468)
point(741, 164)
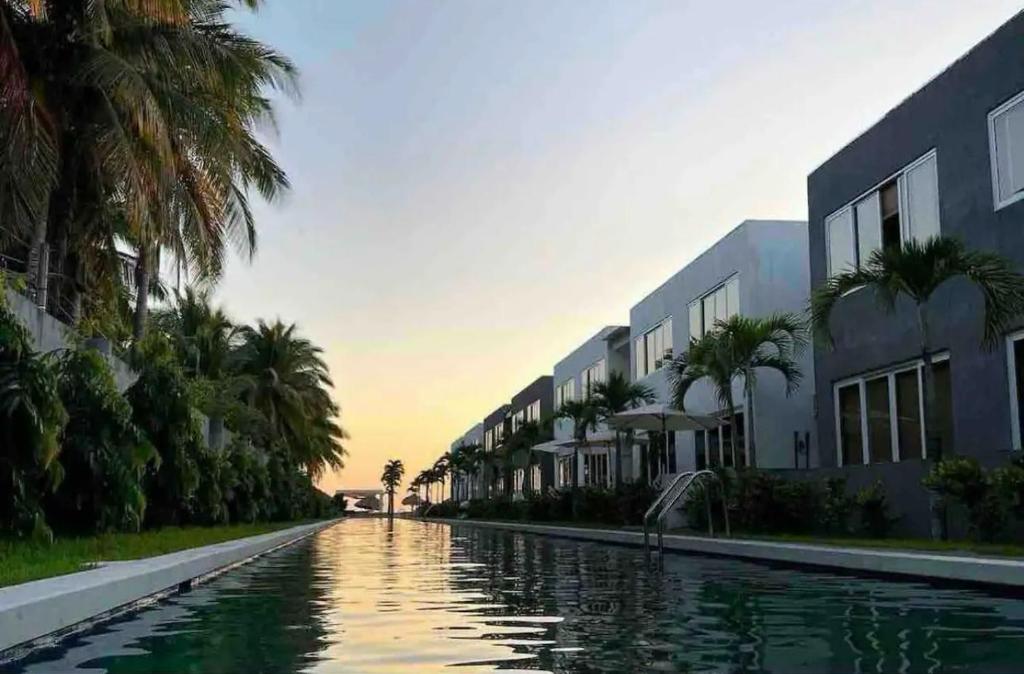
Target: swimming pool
point(363, 597)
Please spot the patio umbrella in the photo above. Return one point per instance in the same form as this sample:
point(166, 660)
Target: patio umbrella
point(659, 417)
point(556, 447)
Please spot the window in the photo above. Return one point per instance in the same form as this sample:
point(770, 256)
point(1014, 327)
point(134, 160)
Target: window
point(518, 419)
point(1015, 361)
point(565, 392)
point(714, 447)
point(720, 304)
point(653, 349)
point(595, 470)
point(565, 471)
point(533, 411)
point(902, 207)
point(879, 418)
point(535, 477)
point(1006, 149)
point(594, 374)
point(518, 477)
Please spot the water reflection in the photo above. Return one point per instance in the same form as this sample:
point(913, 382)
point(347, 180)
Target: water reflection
point(367, 597)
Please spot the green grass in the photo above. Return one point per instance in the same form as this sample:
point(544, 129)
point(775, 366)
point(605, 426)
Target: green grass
point(915, 544)
point(22, 561)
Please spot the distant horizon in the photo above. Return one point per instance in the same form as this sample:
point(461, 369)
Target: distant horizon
point(478, 188)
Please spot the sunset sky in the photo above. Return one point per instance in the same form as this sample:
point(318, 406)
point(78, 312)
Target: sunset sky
point(478, 186)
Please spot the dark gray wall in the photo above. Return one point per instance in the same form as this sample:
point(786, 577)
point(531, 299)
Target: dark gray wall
point(541, 389)
point(950, 114)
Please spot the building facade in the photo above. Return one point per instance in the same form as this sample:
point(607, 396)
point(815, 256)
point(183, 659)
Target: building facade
point(949, 160)
point(575, 375)
point(533, 404)
point(759, 268)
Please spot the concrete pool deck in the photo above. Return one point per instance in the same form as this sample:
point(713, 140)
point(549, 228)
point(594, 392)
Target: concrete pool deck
point(994, 571)
point(52, 608)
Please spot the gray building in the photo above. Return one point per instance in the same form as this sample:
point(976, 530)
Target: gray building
point(759, 268)
point(948, 160)
point(533, 404)
point(496, 431)
point(592, 362)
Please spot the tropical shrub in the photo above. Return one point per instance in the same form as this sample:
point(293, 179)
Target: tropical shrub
point(873, 507)
point(31, 419)
point(162, 408)
point(991, 498)
point(104, 454)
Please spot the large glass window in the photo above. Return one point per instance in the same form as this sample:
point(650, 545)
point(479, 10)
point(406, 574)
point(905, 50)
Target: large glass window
point(908, 414)
point(653, 349)
point(879, 425)
point(905, 206)
point(889, 408)
point(720, 304)
point(533, 411)
point(1016, 357)
point(594, 374)
point(714, 447)
point(1006, 140)
point(851, 444)
point(565, 392)
point(595, 470)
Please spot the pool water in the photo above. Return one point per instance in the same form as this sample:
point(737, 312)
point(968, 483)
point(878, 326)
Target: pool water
point(366, 597)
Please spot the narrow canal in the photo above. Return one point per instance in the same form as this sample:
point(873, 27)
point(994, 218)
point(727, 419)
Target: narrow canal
point(363, 597)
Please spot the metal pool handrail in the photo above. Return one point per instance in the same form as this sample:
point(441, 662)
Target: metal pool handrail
point(656, 506)
point(695, 479)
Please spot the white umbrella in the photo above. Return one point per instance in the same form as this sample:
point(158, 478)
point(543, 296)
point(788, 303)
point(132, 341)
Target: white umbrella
point(550, 447)
point(661, 417)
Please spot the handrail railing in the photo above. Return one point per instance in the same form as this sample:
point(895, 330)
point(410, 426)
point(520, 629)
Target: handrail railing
point(664, 504)
point(656, 506)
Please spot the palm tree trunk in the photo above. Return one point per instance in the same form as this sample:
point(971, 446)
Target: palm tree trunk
point(932, 441)
point(618, 460)
point(141, 294)
point(751, 436)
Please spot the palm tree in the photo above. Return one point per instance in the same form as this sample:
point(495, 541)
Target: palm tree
point(440, 469)
point(470, 458)
point(391, 478)
point(137, 119)
point(738, 348)
point(916, 270)
point(289, 383)
point(618, 394)
point(583, 415)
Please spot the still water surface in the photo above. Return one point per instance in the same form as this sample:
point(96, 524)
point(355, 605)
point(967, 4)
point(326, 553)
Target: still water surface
point(362, 597)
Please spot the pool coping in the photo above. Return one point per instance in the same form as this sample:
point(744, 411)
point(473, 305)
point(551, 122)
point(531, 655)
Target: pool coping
point(969, 569)
point(43, 612)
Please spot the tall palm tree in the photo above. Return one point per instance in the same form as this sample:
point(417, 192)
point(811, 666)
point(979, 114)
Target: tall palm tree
point(615, 395)
point(391, 478)
point(916, 270)
point(707, 358)
point(441, 469)
point(289, 383)
point(470, 461)
point(583, 415)
point(142, 113)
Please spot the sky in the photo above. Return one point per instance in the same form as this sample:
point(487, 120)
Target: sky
point(479, 186)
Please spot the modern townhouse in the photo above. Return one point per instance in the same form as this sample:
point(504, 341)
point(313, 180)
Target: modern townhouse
point(949, 160)
point(496, 431)
point(465, 487)
point(759, 268)
point(575, 375)
point(533, 404)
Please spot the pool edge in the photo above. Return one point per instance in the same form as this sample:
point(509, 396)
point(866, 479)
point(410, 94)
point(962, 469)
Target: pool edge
point(42, 613)
point(994, 572)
